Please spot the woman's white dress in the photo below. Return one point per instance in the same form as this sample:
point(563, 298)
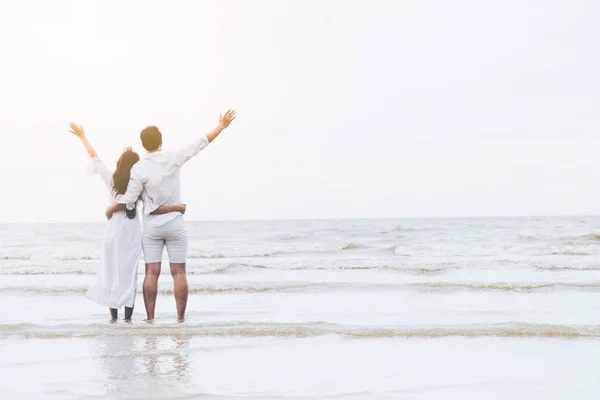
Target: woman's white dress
point(116, 284)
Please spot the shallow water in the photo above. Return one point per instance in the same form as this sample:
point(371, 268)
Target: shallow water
point(423, 309)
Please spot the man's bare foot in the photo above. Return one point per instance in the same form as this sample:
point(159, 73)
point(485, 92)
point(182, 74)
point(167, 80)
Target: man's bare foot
point(149, 321)
point(113, 321)
point(128, 320)
point(181, 321)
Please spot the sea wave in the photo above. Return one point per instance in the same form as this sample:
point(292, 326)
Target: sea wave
point(554, 267)
point(258, 251)
point(430, 246)
point(266, 287)
point(299, 330)
point(16, 257)
point(66, 252)
point(53, 257)
point(590, 236)
point(221, 288)
point(49, 270)
point(493, 249)
point(429, 267)
point(577, 239)
point(224, 266)
point(506, 287)
point(352, 246)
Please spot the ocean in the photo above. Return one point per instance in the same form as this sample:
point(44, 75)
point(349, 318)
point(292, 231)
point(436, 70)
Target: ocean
point(482, 308)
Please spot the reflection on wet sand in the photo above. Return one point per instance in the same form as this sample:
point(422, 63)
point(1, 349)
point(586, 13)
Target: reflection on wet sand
point(143, 367)
point(167, 357)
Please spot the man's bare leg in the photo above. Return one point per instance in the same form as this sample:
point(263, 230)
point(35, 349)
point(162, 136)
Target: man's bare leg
point(180, 289)
point(151, 288)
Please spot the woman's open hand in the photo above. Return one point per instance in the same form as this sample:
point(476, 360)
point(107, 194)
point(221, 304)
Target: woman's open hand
point(77, 130)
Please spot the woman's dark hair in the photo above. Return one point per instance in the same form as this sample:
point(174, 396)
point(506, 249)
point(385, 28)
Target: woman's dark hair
point(122, 174)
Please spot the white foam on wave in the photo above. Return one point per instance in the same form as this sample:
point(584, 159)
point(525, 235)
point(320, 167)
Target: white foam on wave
point(300, 330)
point(488, 249)
point(274, 249)
point(328, 286)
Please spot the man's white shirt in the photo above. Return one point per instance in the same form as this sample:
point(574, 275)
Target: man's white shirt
point(156, 180)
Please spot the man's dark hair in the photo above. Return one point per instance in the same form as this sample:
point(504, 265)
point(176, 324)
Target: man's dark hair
point(151, 138)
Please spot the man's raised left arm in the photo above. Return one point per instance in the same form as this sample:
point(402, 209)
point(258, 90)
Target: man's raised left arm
point(192, 149)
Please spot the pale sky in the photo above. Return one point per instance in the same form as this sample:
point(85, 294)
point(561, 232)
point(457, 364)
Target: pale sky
point(346, 109)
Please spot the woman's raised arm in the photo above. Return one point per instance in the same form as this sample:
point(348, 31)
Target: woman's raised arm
point(80, 133)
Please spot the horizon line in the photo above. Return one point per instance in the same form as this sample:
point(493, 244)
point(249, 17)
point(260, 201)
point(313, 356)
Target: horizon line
point(331, 219)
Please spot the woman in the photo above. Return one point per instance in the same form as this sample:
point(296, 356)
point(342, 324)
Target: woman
point(116, 285)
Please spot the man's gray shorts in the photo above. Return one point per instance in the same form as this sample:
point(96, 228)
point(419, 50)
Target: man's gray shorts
point(173, 235)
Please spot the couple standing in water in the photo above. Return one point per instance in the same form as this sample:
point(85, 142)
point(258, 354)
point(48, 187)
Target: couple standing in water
point(154, 182)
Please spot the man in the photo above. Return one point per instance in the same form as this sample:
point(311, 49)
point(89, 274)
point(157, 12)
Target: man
point(157, 177)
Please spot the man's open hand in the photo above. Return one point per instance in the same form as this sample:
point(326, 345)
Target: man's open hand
point(225, 120)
